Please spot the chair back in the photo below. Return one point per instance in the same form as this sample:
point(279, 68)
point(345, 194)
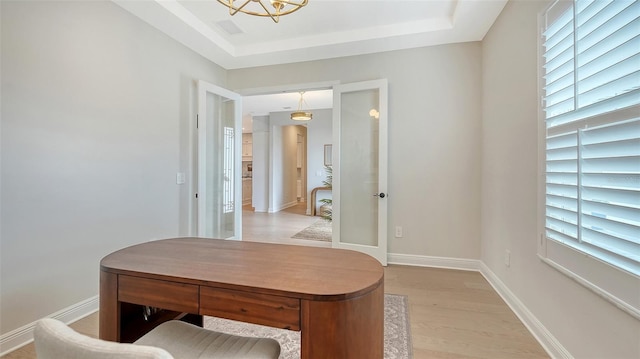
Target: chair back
point(55, 340)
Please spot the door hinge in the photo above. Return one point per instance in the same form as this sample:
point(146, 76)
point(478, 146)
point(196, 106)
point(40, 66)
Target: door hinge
point(197, 122)
point(196, 195)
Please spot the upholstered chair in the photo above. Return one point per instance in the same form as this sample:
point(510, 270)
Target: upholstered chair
point(173, 339)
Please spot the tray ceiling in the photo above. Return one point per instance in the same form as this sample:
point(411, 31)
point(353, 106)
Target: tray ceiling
point(322, 29)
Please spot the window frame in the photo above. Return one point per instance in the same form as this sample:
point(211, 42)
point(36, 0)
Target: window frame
point(614, 284)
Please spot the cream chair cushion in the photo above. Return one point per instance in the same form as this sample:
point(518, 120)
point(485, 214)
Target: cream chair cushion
point(190, 341)
point(55, 340)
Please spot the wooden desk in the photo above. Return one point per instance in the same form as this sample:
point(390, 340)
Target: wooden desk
point(334, 297)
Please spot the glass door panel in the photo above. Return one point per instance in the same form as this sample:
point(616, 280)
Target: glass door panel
point(359, 168)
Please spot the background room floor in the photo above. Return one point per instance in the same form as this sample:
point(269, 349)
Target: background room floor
point(278, 227)
point(453, 314)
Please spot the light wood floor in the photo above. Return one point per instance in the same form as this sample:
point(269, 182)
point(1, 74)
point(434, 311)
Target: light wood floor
point(278, 227)
point(453, 314)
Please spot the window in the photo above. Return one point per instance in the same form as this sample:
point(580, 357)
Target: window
point(590, 67)
point(228, 163)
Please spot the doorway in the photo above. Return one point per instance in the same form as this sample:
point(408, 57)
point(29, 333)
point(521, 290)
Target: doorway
point(287, 163)
point(266, 117)
point(360, 112)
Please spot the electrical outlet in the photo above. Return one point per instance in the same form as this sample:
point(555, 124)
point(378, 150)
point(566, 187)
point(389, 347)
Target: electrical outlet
point(398, 231)
point(507, 258)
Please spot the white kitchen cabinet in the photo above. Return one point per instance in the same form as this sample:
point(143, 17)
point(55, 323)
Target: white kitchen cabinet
point(247, 146)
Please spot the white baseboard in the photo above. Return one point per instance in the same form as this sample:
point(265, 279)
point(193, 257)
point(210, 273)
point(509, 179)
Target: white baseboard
point(283, 206)
point(535, 327)
point(24, 335)
point(436, 262)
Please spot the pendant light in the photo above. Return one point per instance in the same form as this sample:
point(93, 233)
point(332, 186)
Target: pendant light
point(301, 115)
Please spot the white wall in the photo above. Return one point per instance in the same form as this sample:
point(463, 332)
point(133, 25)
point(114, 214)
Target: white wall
point(282, 146)
point(434, 122)
point(319, 133)
point(97, 118)
point(289, 169)
point(276, 169)
point(261, 161)
point(585, 324)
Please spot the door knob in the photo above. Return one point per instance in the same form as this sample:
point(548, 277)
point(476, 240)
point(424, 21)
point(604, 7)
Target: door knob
point(381, 195)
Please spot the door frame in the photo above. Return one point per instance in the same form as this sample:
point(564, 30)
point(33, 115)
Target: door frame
point(203, 88)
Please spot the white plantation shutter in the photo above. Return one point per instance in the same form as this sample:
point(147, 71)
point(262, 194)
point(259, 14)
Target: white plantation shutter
point(591, 103)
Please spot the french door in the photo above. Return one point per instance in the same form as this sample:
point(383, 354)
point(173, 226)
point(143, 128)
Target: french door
point(219, 163)
point(360, 168)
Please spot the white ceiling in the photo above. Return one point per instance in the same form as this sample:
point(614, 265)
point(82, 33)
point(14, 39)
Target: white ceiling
point(322, 29)
point(261, 105)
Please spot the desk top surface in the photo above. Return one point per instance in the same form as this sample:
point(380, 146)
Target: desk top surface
point(287, 270)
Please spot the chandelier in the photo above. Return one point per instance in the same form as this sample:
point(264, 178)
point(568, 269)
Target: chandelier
point(301, 115)
point(258, 8)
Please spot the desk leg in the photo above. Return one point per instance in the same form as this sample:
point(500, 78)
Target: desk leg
point(346, 329)
point(109, 320)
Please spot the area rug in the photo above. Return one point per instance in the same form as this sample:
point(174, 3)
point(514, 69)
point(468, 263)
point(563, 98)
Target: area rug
point(397, 331)
point(318, 231)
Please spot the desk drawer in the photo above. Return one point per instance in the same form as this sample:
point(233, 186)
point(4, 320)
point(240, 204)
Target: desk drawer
point(158, 293)
point(274, 311)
